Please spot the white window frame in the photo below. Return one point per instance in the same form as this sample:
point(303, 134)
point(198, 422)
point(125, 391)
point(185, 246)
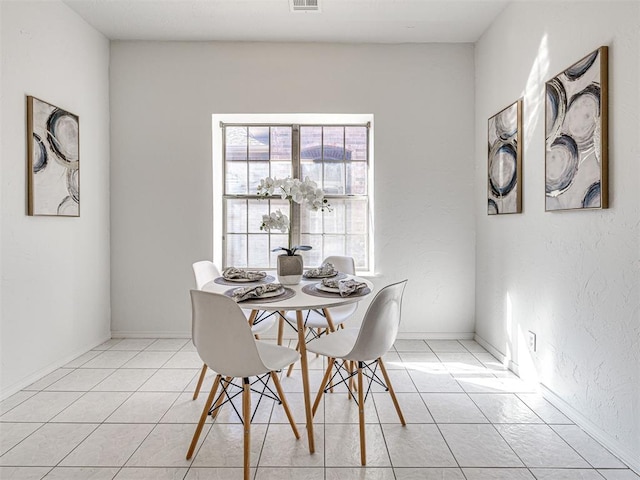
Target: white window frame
point(317, 119)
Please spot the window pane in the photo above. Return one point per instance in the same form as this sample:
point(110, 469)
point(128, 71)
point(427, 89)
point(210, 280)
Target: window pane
point(258, 143)
point(278, 240)
point(236, 143)
point(311, 143)
point(281, 143)
point(333, 178)
point(313, 170)
point(236, 178)
point(278, 204)
point(258, 251)
point(356, 178)
point(356, 216)
point(310, 221)
point(313, 257)
point(280, 169)
point(257, 171)
point(357, 247)
point(333, 144)
point(334, 221)
point(236, 251)
point(356, 143)
point(236, 216)
point(257, 208)
point(334, 245)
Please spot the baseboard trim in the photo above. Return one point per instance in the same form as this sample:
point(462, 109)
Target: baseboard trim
point(435, 336)
point(291, 335)
point(25, 382)
point(154, 334)
point(511, 365)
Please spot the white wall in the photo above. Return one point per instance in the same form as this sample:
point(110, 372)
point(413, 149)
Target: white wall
point(571, 277)
point(162, 99)
point(55, 271)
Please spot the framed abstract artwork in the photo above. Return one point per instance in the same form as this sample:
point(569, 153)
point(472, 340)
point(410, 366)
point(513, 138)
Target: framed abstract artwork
point(576, 126)
point(53, 160)
point(505, 161)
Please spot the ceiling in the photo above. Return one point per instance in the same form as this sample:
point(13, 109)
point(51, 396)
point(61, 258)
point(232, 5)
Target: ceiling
point(343, 21)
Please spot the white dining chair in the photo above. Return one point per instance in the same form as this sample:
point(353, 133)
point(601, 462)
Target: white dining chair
point(363, 347)
point(206, 271)
point(225, 342)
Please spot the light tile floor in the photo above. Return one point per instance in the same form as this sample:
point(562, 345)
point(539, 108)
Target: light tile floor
point(124, 411)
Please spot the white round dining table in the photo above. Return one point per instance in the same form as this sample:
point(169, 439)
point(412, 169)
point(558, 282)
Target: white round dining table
point(299, 302)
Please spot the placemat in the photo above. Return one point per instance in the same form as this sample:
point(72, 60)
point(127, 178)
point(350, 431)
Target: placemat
point(312, 290)
point(224, 281)
point(288, 293)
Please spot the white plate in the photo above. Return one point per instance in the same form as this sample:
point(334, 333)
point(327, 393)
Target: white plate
point(275, 293)
point(322, 276)
point(324, 288)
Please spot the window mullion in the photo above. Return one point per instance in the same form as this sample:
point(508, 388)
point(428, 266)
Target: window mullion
point(295, 173)
point(247, 242)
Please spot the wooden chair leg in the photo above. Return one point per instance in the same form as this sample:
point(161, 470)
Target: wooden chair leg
point(200, 380)
point(353, 385)
point(203, 417)
point(363, 446)
point(323, 384)
point(285, 405)
point(280, 328)
point(327, 315)
point(349, 366)
point(290, 369)
point(246, 417)
point(318, 333)
point(391, 392)
point(214, 415)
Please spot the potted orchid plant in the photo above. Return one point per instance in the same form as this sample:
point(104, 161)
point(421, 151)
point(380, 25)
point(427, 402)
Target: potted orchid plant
point(304, 192)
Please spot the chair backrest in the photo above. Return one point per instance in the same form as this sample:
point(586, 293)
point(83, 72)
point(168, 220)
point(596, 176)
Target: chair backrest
point(380, 324)
point(223, 337)
point(342, 264)
point(204, 271)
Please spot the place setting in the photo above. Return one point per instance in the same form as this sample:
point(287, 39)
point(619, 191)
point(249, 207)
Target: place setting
point(326, 270)
point(261, 293)
point(332, 287)
point(234, 276)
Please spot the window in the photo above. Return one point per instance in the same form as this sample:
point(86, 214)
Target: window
point(334, 156)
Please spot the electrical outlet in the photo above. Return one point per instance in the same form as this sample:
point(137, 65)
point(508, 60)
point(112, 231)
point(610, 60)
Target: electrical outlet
point(532, 341)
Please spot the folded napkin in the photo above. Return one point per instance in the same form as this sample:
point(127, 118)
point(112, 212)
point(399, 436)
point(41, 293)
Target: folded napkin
point(346, 287)
point(324, 270)
point(254, 291)
point(233, 273)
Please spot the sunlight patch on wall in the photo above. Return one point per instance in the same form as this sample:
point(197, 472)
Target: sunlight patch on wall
point(534, 94)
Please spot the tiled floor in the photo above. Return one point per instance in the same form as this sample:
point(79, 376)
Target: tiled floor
point(124, 411)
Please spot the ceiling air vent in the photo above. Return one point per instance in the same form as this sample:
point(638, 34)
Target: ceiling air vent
point(305, 5)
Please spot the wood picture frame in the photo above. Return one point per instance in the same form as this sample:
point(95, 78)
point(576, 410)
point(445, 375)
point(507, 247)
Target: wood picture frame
point(504, 164)
point(577, 141)
point(53, 160)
